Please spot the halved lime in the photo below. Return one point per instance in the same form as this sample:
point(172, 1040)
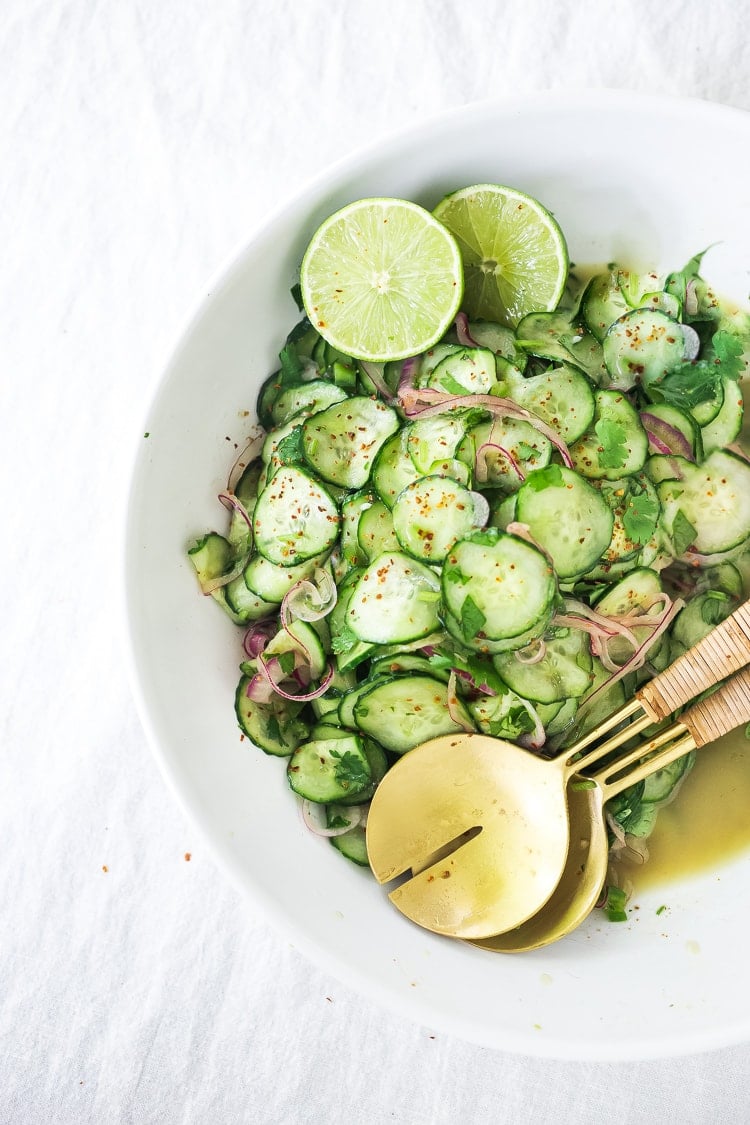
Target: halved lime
point(514, 253)
point(382, 279)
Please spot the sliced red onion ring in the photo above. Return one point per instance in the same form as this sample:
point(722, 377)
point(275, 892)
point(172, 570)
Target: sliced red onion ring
point(665, 438)
point(246, 456)
point(212, 584)
point(462, 331)
point(428, 402)
point(532, 653)
point(481, 468)
point(230, 501)
point(639, 656)
point(257, 637)
point(454, 710)
point(273, 673)
point(409, 370)
point(309, 600)
point(374, 372)
point(522, 531)
point(533, 740)
point(313, 816)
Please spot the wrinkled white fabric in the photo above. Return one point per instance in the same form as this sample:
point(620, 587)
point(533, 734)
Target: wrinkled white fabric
point(139, 143)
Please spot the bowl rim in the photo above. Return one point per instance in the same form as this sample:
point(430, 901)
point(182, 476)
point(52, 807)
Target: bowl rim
point(558, 101)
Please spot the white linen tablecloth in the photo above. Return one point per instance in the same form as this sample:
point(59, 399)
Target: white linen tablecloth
point(139, 144)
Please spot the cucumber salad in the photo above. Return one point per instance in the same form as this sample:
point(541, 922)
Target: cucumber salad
point(506, 533)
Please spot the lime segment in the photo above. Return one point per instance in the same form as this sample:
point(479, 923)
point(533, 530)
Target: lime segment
point(514, 253)
point(382, 279)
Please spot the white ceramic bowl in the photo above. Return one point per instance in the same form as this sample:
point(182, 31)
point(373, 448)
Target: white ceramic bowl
point(646, 180)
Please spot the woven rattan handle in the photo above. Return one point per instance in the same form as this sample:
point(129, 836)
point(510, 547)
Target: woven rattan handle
point(726, 649)
point(727, 708)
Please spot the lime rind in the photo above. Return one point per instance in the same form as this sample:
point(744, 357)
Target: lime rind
point(514, 252)
point(382, 279)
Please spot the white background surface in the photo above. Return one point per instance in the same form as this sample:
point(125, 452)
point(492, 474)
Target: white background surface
point(139, 144)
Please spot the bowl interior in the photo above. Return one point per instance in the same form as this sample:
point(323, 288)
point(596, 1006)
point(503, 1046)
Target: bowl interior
point(632, 178)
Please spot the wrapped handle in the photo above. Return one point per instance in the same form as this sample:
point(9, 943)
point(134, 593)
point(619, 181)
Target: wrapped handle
point(726, 649)
point(726, 709)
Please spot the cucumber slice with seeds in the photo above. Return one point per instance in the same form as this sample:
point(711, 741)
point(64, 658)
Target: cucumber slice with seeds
point(341, 443)
point(295, 518)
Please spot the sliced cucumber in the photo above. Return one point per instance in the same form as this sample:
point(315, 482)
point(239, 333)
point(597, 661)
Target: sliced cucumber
point(564, 672)
point(352, 844)
point(568, 517)
point(310, 397)
point(341, 443)
point(465, 371)
point(489, 447)
point(616, 445)
point(430, 515)
point(295, 518)
point(330, 770)
point(496, 586)
point(562, 397)
point(394, 600)
point(393, 468)
point(725, 427)
point(274, 727)
point(644, 345)
point(404, 711)
point(375, 530)
point(713, 499)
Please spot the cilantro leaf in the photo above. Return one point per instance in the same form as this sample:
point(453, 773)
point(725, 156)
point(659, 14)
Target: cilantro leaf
point(344, 641)
point(715, 606)
point(526, 451)
point(549, 477)
point(286, 662)
point(472, 618)
point(613, 441)
point(615, 904)
point(729, 352)
point(688, 385)
point(291, 366)
point(350, 770)
point(640, 517)
point(296, 292)
point(677, 282)
point(289, 449)
point(337, 821)
point(456, 576)
point(451, 385)
point(683, 532)
point(273, 730)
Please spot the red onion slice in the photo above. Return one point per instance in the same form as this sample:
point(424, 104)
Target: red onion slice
point(246, 456)
point(665, 438)
point(374, 373)
point(427, 402)
point(454, 710)
point(462, 332)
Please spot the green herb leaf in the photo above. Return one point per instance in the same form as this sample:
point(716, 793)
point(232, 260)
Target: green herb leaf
point(526, 451)
point(296, 292)
point(273, 730)
point(549, 477)
point(661, 909)
point(677, 282)
point(715, 606)
point(729, 352)
point(289, 450)
point(613, 441)
point(456, 576)
point(451, 385)
point(688, 385)
point(640, 517)
point(683, 532)
point(291, 366)
point(615, 905)
point(472, 619)
point(344, 641)
point(350, 770)
point(337, 821)
point(286, 662)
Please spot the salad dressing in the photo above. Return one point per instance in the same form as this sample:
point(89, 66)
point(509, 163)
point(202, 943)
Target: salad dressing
point(708, 822)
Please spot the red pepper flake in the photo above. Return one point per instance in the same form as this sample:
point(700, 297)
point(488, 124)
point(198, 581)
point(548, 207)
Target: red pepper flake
point(188, 857)
point(105, 869)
